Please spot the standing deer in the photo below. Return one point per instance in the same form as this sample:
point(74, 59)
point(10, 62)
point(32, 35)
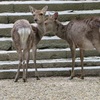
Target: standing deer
point(24, 38)
point(83, 34)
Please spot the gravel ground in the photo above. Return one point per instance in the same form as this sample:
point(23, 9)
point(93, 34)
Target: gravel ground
point(51, 88)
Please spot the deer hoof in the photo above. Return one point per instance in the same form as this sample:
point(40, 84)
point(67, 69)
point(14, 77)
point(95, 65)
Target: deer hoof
point(82, 77)
point(15, 80)
point(37, 77)
point(70, 78)
point(24, 80)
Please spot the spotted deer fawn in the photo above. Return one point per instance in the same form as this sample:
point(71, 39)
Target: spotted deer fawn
point(25, 37)
point(83, 34)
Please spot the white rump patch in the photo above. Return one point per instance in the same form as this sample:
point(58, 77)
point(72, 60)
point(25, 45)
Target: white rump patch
point(24, 33)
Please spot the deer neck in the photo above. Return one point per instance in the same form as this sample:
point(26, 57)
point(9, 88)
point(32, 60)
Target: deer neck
point(60, 30)
point(41, 30)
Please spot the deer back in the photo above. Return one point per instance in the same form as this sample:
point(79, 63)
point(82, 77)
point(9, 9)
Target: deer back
point(21, 32)
point(84, 33)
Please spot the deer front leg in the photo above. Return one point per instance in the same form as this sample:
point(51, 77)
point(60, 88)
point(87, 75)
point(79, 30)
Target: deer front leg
point(82, 58)
point(34, 59)
point(73, 60)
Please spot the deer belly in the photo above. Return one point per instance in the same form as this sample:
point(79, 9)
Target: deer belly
point(87, 45)
point(84, 44)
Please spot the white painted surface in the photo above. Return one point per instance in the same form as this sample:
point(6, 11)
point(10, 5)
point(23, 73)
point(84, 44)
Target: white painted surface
point(46, 2)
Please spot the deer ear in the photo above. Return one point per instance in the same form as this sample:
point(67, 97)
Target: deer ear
point(55, 15)
point(44, 9)
point(32, 9)
point(49, 14)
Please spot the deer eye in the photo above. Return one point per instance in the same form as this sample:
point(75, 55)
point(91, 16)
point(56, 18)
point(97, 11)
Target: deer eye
point(33, 14)
point(41, 14)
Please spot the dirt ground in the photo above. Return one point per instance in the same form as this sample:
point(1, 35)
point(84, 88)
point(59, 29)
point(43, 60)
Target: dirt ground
point(51, 88)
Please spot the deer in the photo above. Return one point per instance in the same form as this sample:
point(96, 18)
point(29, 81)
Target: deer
point(25, 37)
point(78, 33)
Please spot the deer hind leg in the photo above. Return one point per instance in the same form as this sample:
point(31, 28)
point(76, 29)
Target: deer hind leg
point(27, 56)
point(25, 64)
point(73, 53)
point(34, 59)
point(82, 58)
point(19, 66)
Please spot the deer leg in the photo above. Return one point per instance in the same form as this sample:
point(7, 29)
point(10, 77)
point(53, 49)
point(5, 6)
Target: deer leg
point(24, 65)
point(24, 77)
point(27, 63)
point(34, 59)
point(82, 58)
point(19, 66)
point(73, 61)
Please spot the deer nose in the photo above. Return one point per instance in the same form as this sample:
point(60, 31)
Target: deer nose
point(35, 20)
point(45, 23)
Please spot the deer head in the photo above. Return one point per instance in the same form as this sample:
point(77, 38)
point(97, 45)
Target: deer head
point(50, 23)
point(39, 15)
